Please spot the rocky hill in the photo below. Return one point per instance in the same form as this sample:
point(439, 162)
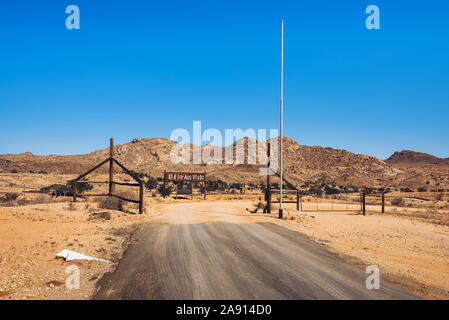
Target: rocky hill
point(408, 157)
point(303, 164)
point(421, 169)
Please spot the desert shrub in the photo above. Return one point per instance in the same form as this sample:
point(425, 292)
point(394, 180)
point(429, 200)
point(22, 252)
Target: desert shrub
point(138, 174)
point(105, 215)
point(37, 200)
point(83, 186)
point(422, 190)
point(315, 190)
point(331, 190)
point(397, 202)
point(66, 189)
point(9, 197)
point(236, 186)
point(165, 191)
point(151, 184)
point(213, 185)
point(111, 203)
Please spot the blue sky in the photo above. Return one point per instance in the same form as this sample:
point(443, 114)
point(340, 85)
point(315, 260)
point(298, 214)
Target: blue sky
point(144, 68)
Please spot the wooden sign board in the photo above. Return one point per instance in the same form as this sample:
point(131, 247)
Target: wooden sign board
point(184, 176)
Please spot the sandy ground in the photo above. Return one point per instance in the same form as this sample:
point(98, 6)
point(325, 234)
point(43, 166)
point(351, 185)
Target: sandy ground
point(30, 236)
point(410, 252)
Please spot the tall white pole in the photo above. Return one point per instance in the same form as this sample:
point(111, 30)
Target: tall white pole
point(282, 109)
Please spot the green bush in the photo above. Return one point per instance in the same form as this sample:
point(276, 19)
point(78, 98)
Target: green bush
point(8, 197)
point(138, 174)
point(237, 186)
point(66, 189)
point(213, 185)
point(165, 191)
point(331, 190)
point(151, 184)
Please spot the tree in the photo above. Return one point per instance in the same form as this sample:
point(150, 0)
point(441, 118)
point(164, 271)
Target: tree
point(151, 184)
point(67, 189)
point(140, 175)
point(331, 190)
point(165, 191)
point(9, 197)
point(236, 186)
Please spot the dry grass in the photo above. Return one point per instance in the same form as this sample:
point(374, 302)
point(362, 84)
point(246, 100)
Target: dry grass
point(25, 200)
point(105, 215)
point(428, 215)
point(110, 203)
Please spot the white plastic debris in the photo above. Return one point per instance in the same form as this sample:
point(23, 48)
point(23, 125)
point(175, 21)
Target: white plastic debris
point(72, 255)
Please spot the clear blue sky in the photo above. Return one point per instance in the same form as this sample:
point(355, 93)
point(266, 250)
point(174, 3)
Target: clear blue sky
point(144, 68)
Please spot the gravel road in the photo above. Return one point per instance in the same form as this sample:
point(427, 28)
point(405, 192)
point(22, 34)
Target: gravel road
point(209, 250)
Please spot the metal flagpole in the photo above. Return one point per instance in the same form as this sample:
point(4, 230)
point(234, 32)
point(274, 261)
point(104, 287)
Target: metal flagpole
point(282, 107)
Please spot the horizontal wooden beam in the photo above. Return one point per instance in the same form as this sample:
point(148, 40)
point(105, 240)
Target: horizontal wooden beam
point(93, 194)
point(124, 199)
point(87, 181)
point(126, 184)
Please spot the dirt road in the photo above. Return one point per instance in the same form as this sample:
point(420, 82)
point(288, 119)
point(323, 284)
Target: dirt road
point(208, 251)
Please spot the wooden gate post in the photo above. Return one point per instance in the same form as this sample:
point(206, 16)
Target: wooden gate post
point(297, 200)
point(383, 202)
point(111, 166)
point(141, 197)
point(363, 203)
point(75, 189)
